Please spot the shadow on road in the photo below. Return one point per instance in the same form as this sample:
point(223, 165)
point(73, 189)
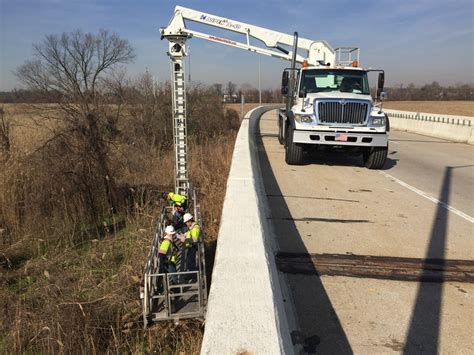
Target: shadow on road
point(335, 158)
point(321, 330)
point(424, 330)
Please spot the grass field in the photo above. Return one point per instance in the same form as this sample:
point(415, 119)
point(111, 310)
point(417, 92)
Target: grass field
point(461, 108)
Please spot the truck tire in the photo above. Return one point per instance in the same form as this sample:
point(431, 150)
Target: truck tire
point(375, 157)
point(293, 151)
point(281, 139)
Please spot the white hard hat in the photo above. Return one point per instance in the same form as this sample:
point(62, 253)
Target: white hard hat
point(187, 217)
point(170, 230)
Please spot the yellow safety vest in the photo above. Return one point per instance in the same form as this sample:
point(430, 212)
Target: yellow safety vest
point(193, 235)
point(177, 199)
point(166, 247)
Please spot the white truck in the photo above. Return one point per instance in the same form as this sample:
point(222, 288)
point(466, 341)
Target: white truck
point(328, 100)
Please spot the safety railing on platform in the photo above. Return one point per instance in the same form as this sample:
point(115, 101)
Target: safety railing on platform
point(174, 295)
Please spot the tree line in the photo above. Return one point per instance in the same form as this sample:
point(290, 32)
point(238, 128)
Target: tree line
point(428, 92)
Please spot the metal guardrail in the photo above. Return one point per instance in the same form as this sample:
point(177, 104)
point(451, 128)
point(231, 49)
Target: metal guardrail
point(419, 116)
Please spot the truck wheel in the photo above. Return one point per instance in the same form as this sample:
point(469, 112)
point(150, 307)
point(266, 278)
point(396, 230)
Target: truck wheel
point(281, 139)
point(293, 151)
point(375, 157)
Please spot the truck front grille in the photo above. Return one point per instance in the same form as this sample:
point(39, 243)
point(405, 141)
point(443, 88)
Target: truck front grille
point(342, 111)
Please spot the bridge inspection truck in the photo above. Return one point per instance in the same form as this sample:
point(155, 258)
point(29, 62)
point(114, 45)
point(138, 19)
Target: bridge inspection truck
point(328, 100)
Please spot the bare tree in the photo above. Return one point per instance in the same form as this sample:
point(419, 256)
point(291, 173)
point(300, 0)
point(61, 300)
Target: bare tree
point(84, 70)
point(217, 89)
point(230, 88)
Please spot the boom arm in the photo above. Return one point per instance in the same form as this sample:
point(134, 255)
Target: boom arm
point(315, 52)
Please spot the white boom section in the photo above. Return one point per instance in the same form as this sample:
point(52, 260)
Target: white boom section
point(315, 52)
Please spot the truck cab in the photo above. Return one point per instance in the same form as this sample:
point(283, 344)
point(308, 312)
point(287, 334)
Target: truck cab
point(333, 107)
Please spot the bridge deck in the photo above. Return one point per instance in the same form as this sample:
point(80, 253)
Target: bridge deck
point(334, 205)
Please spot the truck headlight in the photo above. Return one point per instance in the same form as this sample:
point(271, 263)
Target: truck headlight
point(378, 121)
point(303, 118)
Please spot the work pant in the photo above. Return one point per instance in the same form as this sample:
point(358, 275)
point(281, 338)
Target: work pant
point(167, 268)
point(191, 259)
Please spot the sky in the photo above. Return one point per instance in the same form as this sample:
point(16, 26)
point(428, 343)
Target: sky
point(415, 41)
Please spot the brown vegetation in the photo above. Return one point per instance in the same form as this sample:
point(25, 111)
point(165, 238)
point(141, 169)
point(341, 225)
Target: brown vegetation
point(78, 207)
point(68, 285)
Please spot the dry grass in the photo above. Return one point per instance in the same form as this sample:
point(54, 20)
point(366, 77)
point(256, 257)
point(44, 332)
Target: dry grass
point(84, 299)
point(30, 128)
point(61, 295)
point(462, 108)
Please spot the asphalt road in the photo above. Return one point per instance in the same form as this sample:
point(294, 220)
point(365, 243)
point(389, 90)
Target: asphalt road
point(420, 206)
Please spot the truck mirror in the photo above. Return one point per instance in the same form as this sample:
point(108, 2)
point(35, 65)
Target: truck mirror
point(303, 92)
point(284, 83)
point(380, 84)
point(284, 78)
point(383, 96)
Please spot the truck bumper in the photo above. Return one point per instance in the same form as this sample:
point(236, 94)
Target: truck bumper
point(346, 139)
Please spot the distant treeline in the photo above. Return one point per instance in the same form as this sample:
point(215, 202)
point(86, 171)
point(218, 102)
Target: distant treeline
point(430, 92)
point(427, 92)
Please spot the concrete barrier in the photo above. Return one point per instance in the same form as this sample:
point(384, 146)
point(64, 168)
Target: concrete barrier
point(453, 128)
point(245, 309)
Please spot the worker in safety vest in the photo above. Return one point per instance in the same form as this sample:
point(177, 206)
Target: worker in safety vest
point(191, 240)
point(176, 199)
point(180, 204)
point(168, 252)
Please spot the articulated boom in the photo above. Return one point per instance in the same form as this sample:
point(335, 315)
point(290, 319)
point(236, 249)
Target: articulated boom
point(315, 52)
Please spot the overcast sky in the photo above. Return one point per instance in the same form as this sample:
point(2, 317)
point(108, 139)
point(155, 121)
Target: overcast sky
point(415, 41)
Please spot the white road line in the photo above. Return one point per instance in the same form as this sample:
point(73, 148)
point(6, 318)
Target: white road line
point(432, 199)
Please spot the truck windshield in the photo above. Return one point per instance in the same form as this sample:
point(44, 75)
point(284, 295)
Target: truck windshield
point(325, 80)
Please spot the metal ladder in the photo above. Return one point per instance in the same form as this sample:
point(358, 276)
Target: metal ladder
point(179, 125)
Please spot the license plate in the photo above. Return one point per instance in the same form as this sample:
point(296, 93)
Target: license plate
point(341, 137)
